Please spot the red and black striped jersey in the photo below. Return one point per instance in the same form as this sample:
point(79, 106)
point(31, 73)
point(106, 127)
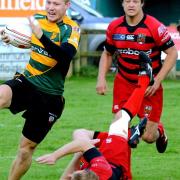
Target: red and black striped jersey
point(126, 41)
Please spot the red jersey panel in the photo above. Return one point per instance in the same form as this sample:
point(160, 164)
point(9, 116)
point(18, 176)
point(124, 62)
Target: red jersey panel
point(98, 135)
point(108, 147)
point(115, 150)
point(150, 36)
point(101, 167)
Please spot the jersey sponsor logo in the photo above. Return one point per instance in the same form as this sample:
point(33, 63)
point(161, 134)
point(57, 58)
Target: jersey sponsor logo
point(130, 51)
point(147, 110)
point(165, 37)
point(161, 30)
point(108, 140)
point(120, 37)
point(123, 37)
point(76, 29)
point(52, 117)
point(116, 107)
point(54, 35)
point(130, 37)
point(40, 51)
point(141, 38)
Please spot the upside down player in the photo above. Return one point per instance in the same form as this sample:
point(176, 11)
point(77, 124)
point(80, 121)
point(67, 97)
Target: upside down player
point(111, 160)
point(126, 37)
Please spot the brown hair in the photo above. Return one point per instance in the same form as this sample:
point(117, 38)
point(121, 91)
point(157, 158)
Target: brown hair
point(86, 175)
point(142, 1)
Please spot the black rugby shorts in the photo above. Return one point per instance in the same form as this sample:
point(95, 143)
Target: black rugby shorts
point(40, 110)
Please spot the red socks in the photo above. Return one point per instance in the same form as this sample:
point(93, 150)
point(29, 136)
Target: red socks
point(134, 102)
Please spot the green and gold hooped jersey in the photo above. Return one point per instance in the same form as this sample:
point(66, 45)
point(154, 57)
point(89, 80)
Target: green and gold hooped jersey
point(42, 70)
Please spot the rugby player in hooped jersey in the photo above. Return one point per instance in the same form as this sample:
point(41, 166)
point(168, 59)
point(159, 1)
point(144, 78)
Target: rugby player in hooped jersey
point(39, 90)
point(126, 37)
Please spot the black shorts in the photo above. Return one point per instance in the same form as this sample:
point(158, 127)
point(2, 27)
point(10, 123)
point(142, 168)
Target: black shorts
point(41, 110)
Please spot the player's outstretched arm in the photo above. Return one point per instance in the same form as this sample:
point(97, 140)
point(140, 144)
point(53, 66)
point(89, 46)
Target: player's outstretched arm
point(74, 146)
point(72, 166)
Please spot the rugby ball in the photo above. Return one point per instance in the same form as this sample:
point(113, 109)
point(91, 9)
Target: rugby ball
point(19, 35)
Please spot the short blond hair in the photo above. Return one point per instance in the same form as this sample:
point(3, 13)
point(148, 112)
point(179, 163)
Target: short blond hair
point(86, 175)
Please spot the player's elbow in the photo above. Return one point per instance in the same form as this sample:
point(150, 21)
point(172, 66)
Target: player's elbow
point(173, 53)
point(79, 133)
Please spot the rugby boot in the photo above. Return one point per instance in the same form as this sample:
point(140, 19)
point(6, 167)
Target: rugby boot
point(136, 132)
point(162, 141)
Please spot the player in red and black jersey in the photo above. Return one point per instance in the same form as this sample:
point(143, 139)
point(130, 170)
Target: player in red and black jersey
point(110, 161)
point(126, 37)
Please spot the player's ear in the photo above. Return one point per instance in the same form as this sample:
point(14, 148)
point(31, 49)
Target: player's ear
point(142, 3)
point(70, 175)
point(68, 3)
point(122, 4)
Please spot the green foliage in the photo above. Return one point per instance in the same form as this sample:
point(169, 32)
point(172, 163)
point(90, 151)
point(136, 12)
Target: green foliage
point(85, 109)
point(89, 71)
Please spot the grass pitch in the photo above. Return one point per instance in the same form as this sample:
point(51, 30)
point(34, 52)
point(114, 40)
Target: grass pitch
point(85, 109)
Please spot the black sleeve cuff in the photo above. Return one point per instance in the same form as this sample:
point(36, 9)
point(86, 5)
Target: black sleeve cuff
point(96, 133)
point(111, 49)
point(91, 154)
point(167, 45)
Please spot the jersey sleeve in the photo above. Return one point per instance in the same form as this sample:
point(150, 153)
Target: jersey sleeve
point(109, 46)
point(161, 34)
point(97, 135)
point(72, 35)
point(164, 39)
point(109, 33)
point(98, 164)
point(100, 135)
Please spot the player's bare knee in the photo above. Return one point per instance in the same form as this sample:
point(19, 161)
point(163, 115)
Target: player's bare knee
point(78, 133)
point(4, 103)
point(149, 137)
point(24, 155)
point(5, 96)
point(117, 116)
point(27, 148)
